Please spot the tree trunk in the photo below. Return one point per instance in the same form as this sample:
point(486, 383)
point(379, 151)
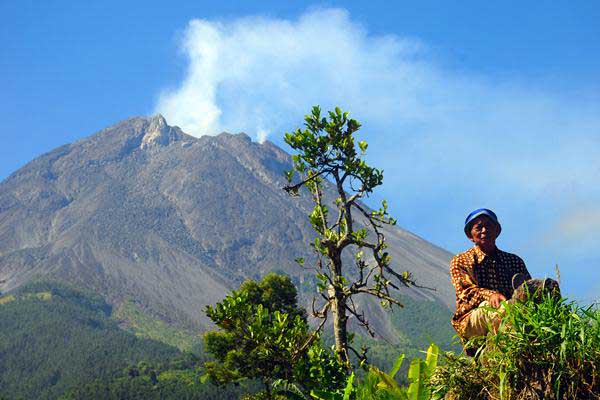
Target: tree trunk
point(338, 308)
point(339, 328)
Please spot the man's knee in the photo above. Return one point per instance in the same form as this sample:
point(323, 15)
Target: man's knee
point(482, 320)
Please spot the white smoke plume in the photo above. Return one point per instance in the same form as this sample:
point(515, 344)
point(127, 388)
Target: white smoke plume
point(257, 74)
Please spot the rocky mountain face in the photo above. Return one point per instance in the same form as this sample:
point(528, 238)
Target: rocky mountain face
point(142, 212)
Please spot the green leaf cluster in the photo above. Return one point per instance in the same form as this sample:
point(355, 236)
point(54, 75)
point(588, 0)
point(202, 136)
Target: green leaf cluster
point(263, 335)
point(328, 143)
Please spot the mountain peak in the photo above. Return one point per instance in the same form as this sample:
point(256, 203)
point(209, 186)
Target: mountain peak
point(159, 133)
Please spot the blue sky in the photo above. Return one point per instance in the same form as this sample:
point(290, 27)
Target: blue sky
point(469, 105)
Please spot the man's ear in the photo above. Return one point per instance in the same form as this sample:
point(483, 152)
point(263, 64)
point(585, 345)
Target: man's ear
point(518, 279)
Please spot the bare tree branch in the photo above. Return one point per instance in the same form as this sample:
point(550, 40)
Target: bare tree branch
point(313, 336)
point(292, 188)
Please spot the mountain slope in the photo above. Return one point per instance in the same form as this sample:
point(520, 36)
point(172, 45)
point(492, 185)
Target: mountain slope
point(142, 212)
point(54, 337)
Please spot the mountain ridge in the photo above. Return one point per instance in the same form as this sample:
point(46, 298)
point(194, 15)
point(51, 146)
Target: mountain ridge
point(142, 210)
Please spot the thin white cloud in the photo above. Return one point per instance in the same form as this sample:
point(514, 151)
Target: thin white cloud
point(445, 140)
point(577, 231)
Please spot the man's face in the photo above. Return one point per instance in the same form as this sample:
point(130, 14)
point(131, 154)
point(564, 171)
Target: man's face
point(484, 232)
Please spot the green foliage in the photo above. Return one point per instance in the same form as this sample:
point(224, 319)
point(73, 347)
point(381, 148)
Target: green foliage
point(328, 143)
point(345, 394)
point(264, 335)
point(179, 378)
point(275, 292)
point(378, 385)
point(144, 326)
point(54, 337)
point(549, 350)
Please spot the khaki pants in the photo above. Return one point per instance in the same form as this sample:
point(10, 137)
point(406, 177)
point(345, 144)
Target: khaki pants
point(482, 320)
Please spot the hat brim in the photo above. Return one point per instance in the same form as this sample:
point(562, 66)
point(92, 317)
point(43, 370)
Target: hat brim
point(469, 225)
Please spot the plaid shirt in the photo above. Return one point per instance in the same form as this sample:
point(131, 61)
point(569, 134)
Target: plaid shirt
point(476, 277)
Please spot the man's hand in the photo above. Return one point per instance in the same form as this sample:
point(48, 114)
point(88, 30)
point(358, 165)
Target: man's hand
point(495, 299)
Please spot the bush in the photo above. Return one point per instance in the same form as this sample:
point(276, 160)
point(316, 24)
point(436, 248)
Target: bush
point(549, 350)
point(263, 335)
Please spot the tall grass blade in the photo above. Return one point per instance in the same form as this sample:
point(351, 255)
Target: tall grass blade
point(349, 387)
point(397, 365)
point(417, 389)
point(431, 359)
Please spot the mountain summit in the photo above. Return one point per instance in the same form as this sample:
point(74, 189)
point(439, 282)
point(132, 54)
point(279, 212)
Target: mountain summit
point(143, 212)
point(158, 133)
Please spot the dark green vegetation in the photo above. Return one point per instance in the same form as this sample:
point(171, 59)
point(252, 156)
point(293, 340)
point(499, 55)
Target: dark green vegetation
point(53, 337)
point(264, 336)
point(327, 151)
point(549, 350)
point(59, 341)
point(176, 379)
point(56, 340)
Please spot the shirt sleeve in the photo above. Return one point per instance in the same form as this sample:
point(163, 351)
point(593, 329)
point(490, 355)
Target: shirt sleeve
point(468, 293)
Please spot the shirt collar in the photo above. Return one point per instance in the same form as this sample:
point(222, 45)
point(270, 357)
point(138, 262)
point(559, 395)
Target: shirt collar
point(480, 255)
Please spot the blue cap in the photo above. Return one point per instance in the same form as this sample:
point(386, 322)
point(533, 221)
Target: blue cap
point(477, 213)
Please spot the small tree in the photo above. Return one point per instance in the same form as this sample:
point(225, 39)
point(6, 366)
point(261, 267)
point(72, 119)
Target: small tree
point(327, 153)
point(262, 333)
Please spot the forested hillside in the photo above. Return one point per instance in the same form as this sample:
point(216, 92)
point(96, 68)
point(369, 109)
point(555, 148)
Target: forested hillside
point(175, 379)
point(55, 337)
point(59, 341)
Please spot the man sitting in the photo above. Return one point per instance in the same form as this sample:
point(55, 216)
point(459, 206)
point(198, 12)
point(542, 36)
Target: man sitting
point(482, 276)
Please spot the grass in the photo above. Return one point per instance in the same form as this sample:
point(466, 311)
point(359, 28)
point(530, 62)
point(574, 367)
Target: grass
point(44, 296)
point(545, 350)
point(7, 299)
point(147, 327)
